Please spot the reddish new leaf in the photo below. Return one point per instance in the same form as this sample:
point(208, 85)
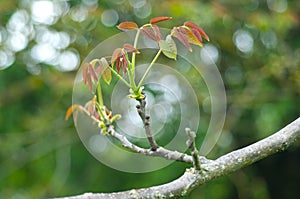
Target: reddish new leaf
point(116, 54)
point(197, 34)
point(182, 37)
point(84, 72)
point(127, 25)
point(149, 32)
point(157, 32)
point(89, 81)
point(124, 63)
point(159, 19)
point(196, 27)
point(118, 65)
point(92, 72)
point(130, 49)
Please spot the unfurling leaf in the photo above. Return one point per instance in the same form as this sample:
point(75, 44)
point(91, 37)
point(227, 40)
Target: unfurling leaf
point(182, 37)
point(151, 32)
point(157, 32)
point(85, 72)
point(168, 47)
point(159, 19)
point(70, 110)
point(93, 73)
point(116, 54)
point(194, 26)
point(127, 25)
point(192, 38)
point(115, 117)
point(106, 74)
point(130, 49)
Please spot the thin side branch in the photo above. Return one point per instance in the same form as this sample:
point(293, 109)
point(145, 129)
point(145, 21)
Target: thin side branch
point(226, 164)
point(141, 108)
point(192, 147)
point(159, 152)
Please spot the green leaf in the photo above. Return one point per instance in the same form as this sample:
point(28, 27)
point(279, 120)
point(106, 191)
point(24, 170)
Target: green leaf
point(106, 75)
point(168, 47)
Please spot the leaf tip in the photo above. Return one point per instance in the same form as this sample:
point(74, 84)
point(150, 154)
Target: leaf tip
point(70, 110)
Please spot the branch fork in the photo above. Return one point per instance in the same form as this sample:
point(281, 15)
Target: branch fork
point(141, 109)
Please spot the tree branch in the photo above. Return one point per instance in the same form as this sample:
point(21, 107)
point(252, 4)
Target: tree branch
point(211, 169)
point(141, 108)
point(192, 147)
point(159, 152)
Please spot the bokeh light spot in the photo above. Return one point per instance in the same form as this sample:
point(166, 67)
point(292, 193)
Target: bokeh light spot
point(109, 18)
point(277, 5)
point(209, 54)
point(269, 39)
point(234, 75)
point(243, 41)
point(144, 11)
point(79, 13)
point(7, 58)
point(68, 61)
point(43, 12)
point(17, 42)
point(43, 53)
point(137, 3)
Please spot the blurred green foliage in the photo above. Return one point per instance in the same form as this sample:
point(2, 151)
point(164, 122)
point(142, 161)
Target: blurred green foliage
point(258, 48)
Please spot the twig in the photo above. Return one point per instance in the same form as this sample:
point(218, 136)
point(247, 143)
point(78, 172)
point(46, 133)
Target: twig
point(224, 165)
point(192, 147)
point(141, 109)
point(159, 152)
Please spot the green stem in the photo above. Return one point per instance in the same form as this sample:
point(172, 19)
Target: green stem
point(99, 107)
point(132, 70)
point(135, 45)
point(149, 68)
point(99, 94)
point(120, 77)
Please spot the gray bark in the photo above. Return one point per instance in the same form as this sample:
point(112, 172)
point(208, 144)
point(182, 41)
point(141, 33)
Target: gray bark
point(211, 169)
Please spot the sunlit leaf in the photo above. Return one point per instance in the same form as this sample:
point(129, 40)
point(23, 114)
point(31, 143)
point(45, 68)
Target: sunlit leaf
point(70, 110)
point(182, 38)
point(127, 25)
point(129, 48)
point(94, 62)
point(197, 34)
point(192, 37)
point(196, 27)
point(106, 75)
point(168, 47)
point(159, 19)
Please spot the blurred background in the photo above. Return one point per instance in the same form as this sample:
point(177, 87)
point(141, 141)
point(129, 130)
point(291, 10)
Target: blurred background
point(255, 44)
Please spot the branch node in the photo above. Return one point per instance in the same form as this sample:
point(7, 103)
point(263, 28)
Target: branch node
point(192, 147)
point(141, 109)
